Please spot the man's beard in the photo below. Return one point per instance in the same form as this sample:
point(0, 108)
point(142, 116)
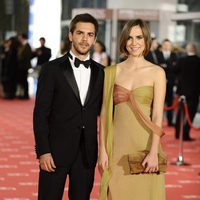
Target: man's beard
point(81, 52)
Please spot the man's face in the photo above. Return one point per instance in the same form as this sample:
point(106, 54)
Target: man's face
point(42, 42)
point(20, 39)
point(83, 38)
point(166, 46)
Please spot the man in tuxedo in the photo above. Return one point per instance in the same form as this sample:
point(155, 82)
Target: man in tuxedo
point(188, 72)
point(68, 102)
point(42, 53)
point(168, 59)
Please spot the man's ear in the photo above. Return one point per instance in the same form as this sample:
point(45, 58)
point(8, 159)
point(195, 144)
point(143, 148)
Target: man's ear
point(70, 36)
point(95, 41)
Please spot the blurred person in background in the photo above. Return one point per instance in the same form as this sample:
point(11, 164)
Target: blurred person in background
point(188, 73)
point(43, 54)
point(152, 55)
point(10, 65)
point(68, 102)
point(2, 61)
point(65, 46)
point(100, 55)
point(24, 63)
point(167, 59)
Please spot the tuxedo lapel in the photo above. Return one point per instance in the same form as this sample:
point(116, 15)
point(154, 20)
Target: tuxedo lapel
point(69, 75)
point(93, 78)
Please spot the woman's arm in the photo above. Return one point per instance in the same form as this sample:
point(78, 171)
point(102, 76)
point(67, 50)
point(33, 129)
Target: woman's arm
point(103, 158)
point(158, 104)
point(157, 118)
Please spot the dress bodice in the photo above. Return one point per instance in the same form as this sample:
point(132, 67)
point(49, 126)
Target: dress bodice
point(142, 94)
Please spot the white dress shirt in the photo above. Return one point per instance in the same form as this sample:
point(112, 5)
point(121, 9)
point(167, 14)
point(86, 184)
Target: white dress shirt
point(82, 76)
point(166, 54)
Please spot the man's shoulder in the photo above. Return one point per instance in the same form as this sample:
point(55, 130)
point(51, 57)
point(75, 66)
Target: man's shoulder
point(47, 49)
point(27, 47)
point(97, 64)
point(53, 64)
point(185, 58)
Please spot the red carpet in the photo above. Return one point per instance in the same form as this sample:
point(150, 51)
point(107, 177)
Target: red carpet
point(19, 168)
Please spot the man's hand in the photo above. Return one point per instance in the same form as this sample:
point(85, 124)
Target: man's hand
point(47, 163)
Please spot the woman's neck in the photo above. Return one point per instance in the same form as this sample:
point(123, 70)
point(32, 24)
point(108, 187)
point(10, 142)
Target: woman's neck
point(136, 62)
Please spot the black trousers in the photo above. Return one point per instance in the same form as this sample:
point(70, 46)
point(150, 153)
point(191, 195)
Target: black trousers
point(169, 101)
point(81, 179)
point(23, 82)
point(192, 102)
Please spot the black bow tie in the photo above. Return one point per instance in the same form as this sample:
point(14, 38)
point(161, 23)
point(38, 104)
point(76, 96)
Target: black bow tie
point(77, 63)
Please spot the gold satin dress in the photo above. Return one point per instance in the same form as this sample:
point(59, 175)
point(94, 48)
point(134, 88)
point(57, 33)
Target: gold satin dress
point(131, 135)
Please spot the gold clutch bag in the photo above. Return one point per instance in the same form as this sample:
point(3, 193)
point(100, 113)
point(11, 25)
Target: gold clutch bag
point(135, 162)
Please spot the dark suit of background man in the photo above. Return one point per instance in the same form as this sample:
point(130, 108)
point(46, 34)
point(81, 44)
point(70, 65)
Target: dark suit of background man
point(188, 71)
point(68, 101)
point(42, 53)
point(167, 59)
point(24, 63)
point(152, 55)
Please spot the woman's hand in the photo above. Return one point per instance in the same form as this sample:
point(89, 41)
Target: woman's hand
point(150, 163)
point(102, 161)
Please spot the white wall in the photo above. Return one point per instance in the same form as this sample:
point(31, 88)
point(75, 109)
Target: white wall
point(139, 4)
point(135, 4)
point(45, 21)
point(164, 28)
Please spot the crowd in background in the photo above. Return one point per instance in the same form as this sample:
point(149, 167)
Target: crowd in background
point(182, 68)
point(16, 55)
point(15, 61)
point(181, 65)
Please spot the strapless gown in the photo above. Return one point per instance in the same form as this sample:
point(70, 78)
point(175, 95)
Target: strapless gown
point(131, 135)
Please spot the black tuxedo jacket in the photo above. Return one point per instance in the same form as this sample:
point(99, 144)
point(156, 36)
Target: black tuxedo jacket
point(152, 57)
point(60, 120)
point(188, 72)
point(24, 57)
point(45, 55)
point(170, 64)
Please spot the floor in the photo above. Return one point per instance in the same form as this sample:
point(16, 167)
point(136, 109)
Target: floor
point(19, 167)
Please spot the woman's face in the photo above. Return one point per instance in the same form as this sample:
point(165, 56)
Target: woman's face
point(135, 44)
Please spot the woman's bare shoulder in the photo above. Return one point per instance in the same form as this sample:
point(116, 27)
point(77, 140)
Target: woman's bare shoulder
point(157, 69)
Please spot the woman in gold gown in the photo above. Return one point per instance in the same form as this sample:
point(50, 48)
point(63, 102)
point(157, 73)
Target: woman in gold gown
point(123, 131)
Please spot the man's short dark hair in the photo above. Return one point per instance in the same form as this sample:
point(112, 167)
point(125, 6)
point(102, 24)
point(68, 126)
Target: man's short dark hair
point(87, 18)
point(24, 36)
point(42, 38)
